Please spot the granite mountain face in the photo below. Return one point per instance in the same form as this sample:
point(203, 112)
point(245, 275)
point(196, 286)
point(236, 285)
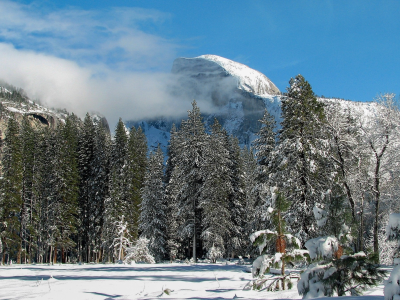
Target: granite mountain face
point(237, 94)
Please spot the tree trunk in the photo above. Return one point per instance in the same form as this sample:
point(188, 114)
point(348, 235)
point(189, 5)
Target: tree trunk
point(346, 186)
point(194, 243)
point(50, 254)
point(19, 252)
point(55, 255)
point(62, 255)
point(377, 200)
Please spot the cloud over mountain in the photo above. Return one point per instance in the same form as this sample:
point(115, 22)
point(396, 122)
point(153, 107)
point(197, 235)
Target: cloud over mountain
point(89, 60)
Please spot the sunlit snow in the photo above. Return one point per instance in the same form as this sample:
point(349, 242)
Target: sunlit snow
point(140, 281)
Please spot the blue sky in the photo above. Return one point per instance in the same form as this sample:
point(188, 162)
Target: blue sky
point(347, 49)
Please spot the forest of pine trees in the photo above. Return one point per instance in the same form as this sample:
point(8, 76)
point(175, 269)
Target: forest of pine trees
point(76, 194)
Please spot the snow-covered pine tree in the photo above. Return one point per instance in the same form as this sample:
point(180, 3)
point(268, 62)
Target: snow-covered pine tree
point(285, 245)
point(87, 191)
point(215, 190)
point(43, 186)
point(66, 191)
point(101, 183)
point(173, 220)
point(135, 172)
point(301, 147)
point(253, 214)
point(349, 275)
point(236, 240)
point(50, 187)
point(265, 153)
point(171, 153)
point(153, 207)
point(116, 206)
point(11, 189)
point(173, 188)
point(28, 216)
point(190, 158)
point(333, 215)
point(264, 146)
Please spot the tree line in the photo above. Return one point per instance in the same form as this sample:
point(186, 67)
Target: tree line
point(67, 192)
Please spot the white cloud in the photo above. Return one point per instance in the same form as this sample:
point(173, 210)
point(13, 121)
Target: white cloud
point(89, 60)
point(113, 37)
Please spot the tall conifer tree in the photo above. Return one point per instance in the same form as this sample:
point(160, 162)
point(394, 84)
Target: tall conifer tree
point(215, 191)
point(153, 208)
point(87, 190)
point(191, 158)
point(29, 155)
point(12, 202)
point(301, 143)
point(136, 169)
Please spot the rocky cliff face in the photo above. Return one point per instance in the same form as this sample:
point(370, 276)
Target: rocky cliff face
point(15, 104)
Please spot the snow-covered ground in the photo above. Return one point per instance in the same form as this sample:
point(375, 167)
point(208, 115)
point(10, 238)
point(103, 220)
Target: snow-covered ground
point(140, 281)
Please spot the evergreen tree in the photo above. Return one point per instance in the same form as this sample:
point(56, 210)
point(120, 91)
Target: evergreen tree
point(136, 169)
point(190, 158)
point(173, 220)
point(117, 205)
point(333, 215)
point(215, 191)
point(101, 183)
point(87, 190)
point(43, 186)
point(173, 190)
point(301, 145)
point(152, 216)
point(265, 145)
point(29, 156)
point(114, 205)
point(12, 204)
point(352, 275)
point(237, 239)
point(66, 191)
point(253, 215)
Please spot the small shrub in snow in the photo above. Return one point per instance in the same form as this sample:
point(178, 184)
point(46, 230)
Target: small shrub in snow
point(392, 287)
point(347, 275)
point(393, 227)
point(393, 231)
point(286, 247)
point(121, 242)
point(322, 247)
point(139, 252)
point(214, 253)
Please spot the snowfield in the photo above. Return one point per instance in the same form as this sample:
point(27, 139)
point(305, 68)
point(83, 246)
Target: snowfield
point(139, 281)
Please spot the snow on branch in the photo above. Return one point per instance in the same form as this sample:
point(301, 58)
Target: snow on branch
point(393, 227)
point(322, 247)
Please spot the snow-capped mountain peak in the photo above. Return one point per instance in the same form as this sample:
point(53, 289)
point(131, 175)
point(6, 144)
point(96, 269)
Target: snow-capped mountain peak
point(208, 66)
point(249, 79)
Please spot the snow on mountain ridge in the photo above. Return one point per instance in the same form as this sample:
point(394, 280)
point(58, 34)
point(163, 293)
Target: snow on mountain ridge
point(250, 80)
point(243, 78)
